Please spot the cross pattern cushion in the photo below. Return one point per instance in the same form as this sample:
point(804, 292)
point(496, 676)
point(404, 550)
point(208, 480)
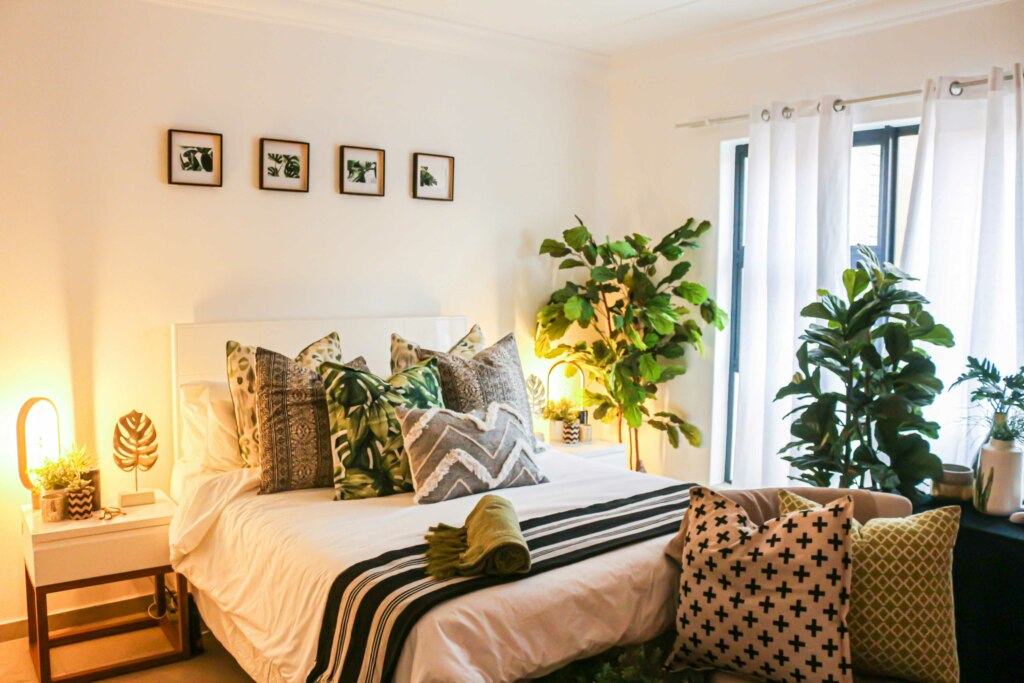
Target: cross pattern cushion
point(767, 601)
point(901, 613)
point(457, 454)
point(404, 352)
point(366, 438)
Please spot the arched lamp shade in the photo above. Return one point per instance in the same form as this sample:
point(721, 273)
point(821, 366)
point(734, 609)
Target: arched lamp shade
point(38, 438)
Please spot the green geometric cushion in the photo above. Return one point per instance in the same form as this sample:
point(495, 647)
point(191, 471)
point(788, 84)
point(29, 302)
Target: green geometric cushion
point(366, 435)
point(901, 597)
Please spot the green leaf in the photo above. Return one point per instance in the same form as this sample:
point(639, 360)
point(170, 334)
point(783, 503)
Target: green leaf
point(691, 291)
point(570, 263)
point(578, 308)
point(649, 368)
point(554, 248)
point(602, 274)
point(634, 417)
point(577, 237)
point(622, 249)
point(855, 281)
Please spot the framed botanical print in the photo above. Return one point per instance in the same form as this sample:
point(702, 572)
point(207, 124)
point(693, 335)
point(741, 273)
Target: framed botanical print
point(194, 158)
point(433, 177)
point(362, 171)
point(284, 165)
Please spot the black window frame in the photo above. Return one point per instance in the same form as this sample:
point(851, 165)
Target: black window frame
point(887, 138)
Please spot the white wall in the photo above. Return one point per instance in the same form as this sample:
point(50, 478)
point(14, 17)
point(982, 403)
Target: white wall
point(100, 255)
point(662, 175)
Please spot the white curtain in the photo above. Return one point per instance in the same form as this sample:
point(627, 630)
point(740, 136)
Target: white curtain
point(965, 235)
point(796, 240)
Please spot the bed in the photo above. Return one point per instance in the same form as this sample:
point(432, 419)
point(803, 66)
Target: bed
point(260, 567)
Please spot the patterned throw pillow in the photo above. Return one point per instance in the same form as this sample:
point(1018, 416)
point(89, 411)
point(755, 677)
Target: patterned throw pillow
point(901, 614)
point(241, 362)
point(294, 429)
point(366, 437)
point(492, 376)
point(457, 454)
point(768, 601)
point(403, 351)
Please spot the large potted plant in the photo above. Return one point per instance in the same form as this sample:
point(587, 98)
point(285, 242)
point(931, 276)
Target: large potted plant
point(864, 425)
point(634, 321)
point(997, 482)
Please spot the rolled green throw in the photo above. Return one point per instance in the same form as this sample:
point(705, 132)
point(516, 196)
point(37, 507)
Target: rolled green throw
point(490, 543)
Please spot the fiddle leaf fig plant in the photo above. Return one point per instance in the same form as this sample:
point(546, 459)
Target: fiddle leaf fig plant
point(636, 314)
point(865, 427)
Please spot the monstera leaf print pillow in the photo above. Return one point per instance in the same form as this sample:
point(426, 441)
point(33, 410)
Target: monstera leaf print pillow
point(366, 435)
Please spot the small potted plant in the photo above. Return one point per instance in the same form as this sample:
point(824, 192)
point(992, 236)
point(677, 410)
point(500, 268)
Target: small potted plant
point(1000, 465)
point(58, 480)
point(565, 420)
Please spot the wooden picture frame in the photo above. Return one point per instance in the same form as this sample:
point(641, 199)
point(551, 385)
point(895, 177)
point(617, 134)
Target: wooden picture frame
point(195, 158)
point(361, 170)
point(284, 165)
point(433, 177)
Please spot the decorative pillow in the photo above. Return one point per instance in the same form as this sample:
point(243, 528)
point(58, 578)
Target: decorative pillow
point(768, 601)
point(209, 435)
point(492, 376)
point(294, 428)
point(457, 454)
point(901, 612)
point(366, 437)
point(242, 384)
point(403, 351)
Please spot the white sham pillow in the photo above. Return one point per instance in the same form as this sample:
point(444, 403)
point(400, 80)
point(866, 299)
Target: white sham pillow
point(209, 435)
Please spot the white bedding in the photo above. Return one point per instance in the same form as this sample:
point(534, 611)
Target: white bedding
point(264, 564)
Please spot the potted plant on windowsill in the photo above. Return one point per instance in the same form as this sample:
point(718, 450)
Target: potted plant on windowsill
point(998, 470)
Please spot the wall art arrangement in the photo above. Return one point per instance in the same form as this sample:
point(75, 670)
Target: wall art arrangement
point(433, 177)
point(362, 171)
point(193, 158)
point(284, 165)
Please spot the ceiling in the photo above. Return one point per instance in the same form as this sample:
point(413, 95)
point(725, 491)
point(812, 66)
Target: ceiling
point(601, 27)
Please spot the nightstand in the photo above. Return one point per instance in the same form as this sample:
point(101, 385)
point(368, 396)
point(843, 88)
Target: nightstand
point(608, 453)
point(61, 556)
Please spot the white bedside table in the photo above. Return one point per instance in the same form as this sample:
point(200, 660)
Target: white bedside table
point(61, 556)
point(605, 452)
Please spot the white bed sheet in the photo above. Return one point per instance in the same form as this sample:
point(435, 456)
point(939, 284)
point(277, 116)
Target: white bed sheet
point(262, 566)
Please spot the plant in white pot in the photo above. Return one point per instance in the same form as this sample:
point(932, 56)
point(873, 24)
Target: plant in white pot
point(58, 478)
point(998, 478)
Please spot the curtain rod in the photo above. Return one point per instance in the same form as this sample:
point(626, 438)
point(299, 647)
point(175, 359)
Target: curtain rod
point(955, 88)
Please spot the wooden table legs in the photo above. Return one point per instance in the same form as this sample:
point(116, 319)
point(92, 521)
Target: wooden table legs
point(41, 641)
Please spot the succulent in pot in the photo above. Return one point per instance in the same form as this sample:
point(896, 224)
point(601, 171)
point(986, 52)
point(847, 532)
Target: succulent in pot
point(57, 477)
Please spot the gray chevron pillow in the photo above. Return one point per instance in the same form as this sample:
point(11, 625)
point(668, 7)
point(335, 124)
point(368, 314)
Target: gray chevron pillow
point(457, 454)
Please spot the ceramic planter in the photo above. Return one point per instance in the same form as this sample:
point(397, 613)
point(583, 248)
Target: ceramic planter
point(571, 432)
point(997, 487)
point(80, 503)
point(52, 504)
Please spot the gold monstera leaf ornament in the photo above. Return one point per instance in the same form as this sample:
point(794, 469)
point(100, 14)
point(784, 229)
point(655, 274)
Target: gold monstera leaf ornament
point(135, 444)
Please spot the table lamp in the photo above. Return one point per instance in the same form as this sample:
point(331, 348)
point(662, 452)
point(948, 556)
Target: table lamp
point(38, 439)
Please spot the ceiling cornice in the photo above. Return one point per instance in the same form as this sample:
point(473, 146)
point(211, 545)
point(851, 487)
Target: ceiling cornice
point(406, 29)
point(820, 22)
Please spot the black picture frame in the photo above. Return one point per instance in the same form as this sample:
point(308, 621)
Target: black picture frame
point(304, 172)
point(217, 167)
point(416, 193)
point(345, 187)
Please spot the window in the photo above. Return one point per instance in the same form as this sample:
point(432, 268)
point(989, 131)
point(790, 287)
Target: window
point(881, 169)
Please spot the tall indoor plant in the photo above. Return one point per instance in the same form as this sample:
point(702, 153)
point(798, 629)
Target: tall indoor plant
point(864, 426)
point(636, 322)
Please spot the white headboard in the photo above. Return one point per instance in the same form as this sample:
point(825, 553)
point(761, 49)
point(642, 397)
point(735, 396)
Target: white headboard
point(197, 349)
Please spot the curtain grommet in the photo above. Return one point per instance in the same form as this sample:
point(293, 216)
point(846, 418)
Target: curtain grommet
point(838, 106)
point(787, 112)
point(766, 115)
point(955, 89)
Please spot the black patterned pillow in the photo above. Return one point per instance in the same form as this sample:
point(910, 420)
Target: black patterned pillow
point(768, 600)
point(494, 375)
point(457, 454)
point(295, 430)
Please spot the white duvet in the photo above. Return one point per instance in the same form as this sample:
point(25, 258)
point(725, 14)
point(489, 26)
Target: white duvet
point(265, 564)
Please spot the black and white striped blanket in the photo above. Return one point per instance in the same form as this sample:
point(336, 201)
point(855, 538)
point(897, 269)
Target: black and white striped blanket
point(373, 605)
